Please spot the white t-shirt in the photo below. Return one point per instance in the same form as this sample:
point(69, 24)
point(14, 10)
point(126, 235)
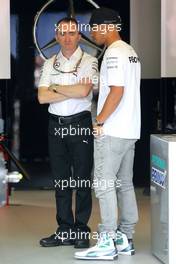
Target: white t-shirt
point(121, 67)
point(88, 68)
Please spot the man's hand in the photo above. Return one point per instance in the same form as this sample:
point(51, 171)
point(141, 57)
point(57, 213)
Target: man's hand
point(97, 130)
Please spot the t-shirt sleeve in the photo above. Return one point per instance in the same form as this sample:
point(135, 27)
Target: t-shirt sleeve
point(45, 75)
point(115, 67)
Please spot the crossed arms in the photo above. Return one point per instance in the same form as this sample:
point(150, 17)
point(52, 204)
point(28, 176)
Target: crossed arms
point(58, 93)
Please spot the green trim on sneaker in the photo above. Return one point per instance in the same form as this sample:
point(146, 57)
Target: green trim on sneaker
point(124, 245)
point(105, 249)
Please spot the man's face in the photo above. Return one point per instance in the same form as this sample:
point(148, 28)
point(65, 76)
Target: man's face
point(67, 36)
point(98, 34)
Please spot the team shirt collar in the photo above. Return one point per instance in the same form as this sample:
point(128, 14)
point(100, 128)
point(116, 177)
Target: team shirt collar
point(77, 54)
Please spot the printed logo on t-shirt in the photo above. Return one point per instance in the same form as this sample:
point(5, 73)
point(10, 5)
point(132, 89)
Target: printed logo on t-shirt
point(112, 62)
point(133, 59)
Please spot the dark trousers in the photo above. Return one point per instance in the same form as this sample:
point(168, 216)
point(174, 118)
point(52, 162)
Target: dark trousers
point(71, 159)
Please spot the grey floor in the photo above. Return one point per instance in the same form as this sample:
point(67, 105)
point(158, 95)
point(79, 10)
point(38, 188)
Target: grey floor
point(31, 216)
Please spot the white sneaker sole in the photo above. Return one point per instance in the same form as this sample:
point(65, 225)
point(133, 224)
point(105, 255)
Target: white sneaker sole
point(98, 257)
point(127, 253)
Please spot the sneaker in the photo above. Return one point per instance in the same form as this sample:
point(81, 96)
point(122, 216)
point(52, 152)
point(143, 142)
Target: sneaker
point(124, 245)
point(105, 249)
point(59, 238)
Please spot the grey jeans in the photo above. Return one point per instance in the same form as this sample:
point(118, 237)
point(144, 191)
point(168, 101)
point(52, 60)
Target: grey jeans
point(113, 183)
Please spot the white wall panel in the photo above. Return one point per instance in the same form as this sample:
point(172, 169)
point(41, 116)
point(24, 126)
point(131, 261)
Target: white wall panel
point(4, 39)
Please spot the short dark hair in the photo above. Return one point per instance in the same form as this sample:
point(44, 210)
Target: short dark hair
point(67, 20)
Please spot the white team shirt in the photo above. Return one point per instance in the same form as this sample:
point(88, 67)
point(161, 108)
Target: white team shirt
point(88, 68)
point(121, 67)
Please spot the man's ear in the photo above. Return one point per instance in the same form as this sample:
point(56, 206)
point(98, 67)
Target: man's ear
point(56, 37)
point(79, 36)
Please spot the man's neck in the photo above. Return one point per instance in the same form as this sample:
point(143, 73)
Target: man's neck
point(112, 38)
point(68, 53)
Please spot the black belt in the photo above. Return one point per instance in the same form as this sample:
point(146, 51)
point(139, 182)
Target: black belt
point(63, 120)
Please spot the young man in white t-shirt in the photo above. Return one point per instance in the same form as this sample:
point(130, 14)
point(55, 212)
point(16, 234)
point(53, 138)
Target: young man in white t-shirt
point(118, 128)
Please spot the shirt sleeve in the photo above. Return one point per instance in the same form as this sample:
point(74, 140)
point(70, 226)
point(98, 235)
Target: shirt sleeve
point(115, 62)
point(89, 70)
point(45, 74)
